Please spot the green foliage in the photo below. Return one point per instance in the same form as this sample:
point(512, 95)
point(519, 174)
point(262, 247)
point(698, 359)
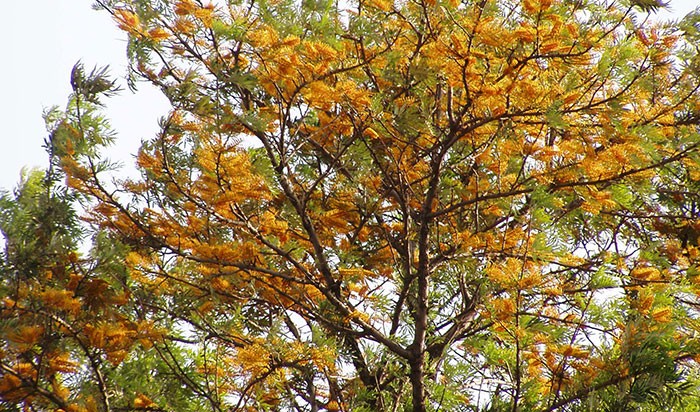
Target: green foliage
point(371, 206)
point(38, 223)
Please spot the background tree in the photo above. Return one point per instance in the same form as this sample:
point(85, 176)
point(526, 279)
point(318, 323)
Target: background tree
point(67, 321)
point(421, 205)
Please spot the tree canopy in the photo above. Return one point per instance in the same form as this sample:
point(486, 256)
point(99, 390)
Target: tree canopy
point(369, 205)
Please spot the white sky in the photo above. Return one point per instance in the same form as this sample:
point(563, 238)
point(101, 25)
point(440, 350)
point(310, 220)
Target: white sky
point(43, 41)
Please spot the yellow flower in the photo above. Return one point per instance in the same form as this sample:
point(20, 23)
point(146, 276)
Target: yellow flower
point(662, 315)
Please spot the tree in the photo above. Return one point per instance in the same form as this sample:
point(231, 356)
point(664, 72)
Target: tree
point(67, 323)
point(375, 205)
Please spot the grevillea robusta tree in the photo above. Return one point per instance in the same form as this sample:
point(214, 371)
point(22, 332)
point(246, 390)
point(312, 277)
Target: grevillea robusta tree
point(373, 206)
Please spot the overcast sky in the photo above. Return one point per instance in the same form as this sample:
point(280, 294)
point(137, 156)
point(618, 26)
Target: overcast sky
point(41, 45)
point(43, 42)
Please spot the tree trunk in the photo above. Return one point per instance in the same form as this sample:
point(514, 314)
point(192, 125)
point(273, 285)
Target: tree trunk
point(417, 384)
